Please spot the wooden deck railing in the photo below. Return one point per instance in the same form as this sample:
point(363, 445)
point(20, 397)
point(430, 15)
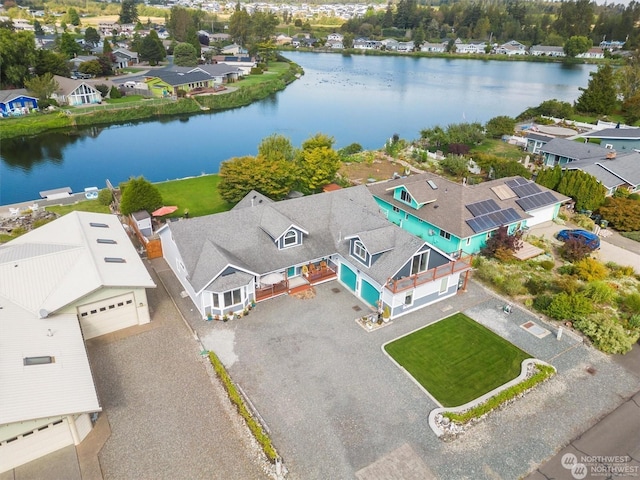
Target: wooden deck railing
point(463, 263)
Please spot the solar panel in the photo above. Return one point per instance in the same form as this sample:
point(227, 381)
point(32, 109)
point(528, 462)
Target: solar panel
point(483, 207)
point(538, 200)
point(526, 190)
point(515, 182)
point(492, 220)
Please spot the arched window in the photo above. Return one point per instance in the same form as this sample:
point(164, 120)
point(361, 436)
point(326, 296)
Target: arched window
point(359, 251)
point(290, 238)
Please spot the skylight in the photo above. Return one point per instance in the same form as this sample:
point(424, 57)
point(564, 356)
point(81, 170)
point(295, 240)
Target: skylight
point(38, 360)
point(99, 225)
point(106, 240)
point(432, 184)
point(114, 260)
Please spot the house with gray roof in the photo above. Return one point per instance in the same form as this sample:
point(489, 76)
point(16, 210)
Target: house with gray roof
point(613, 169)
point(261, 249)
point(165, 83)
point(619, 139)
point(458, 218)
point(535, 141)
point(560, 151)
point(75, 92)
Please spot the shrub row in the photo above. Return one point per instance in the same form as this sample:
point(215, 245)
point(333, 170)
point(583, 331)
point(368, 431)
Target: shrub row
point(237, 400)
point(544, 372)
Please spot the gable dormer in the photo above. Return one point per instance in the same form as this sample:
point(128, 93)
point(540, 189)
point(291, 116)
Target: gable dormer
point(358, 250)
point(291, 238)
point(368, 246)
point(280, 228)
point(416, 195)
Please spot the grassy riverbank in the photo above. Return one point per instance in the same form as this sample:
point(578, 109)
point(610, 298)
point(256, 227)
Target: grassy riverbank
point(251, 89)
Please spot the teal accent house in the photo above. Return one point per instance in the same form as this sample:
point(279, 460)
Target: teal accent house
point(457, 218)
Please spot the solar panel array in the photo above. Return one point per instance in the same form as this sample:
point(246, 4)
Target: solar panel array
point(484, 223)
point(538, 200)
point(483, 207)
point(514, 182)
point(526, 190)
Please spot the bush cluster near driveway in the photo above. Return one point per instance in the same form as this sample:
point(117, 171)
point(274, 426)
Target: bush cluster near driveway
point(198, 195)
point(602, 301)
point(457, 360)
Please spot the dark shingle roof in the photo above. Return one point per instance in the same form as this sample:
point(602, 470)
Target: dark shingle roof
point(615, 133)
point(449, 211)
point(180, 78)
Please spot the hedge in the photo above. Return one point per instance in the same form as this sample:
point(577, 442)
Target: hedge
point(237, 400)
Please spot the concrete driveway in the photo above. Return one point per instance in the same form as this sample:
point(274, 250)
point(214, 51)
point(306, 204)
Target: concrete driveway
point(337, 407)
point(613, 247)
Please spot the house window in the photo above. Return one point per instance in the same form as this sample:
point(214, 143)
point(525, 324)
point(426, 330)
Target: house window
point(216, 301)
point(290, 238)
point(408, 299)
point(396, 209)
point(444, 284)
point(445, 235)
point(419, 263)
point(404, 196)
point(359, 251)
point(468, 242)
point(232, 297)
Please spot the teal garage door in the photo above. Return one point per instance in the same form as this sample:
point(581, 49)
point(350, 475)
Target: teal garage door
point(369, 293)
point(348, 277)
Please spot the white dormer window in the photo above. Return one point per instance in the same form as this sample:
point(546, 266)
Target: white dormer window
point(359, 251)
point(290, 238)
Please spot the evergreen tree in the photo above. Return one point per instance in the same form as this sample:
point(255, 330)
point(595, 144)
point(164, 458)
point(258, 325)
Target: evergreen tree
point(600, 95)
point(128, 12)
point(387, 20)
point(151, 49)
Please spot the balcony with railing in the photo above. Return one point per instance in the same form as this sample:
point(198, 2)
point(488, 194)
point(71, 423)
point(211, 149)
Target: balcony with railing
point(413, 281)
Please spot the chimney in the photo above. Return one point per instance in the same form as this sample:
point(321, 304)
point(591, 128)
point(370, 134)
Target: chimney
point(611, 155)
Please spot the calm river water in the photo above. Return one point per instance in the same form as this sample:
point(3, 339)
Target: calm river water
point(352, 98)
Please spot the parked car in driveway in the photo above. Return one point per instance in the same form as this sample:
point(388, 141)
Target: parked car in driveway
point(590, 239)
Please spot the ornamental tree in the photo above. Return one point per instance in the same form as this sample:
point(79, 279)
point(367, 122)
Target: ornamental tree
point(139, 194)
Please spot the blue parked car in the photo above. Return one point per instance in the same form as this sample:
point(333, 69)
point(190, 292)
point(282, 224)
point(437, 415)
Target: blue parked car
point(590, 239)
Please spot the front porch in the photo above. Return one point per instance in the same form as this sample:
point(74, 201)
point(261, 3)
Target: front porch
point(312, 274)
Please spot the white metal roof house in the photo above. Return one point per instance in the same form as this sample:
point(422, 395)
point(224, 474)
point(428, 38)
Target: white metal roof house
point(261, 249)
point(72, 279)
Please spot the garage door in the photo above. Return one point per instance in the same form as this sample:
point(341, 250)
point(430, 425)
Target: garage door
point(540, 216)
point(348, 277)
point(108, 315)
point(35, 444)
point(369, 293)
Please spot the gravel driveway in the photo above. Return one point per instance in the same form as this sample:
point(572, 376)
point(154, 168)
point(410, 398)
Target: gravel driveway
point(169, 419)
point(336, 405)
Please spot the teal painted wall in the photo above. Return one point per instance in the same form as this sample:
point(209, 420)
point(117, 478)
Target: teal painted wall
point(398, 191)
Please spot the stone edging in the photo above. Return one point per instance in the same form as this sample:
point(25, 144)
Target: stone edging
point(478, 401)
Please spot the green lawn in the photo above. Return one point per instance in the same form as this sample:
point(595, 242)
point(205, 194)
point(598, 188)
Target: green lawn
point(199, 195)
point(498, 148)
point(457, 359)
point(84, 206)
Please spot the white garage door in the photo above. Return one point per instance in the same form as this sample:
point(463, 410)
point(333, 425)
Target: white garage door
point(108, 315)
point(540, 216)
point(27, 447)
